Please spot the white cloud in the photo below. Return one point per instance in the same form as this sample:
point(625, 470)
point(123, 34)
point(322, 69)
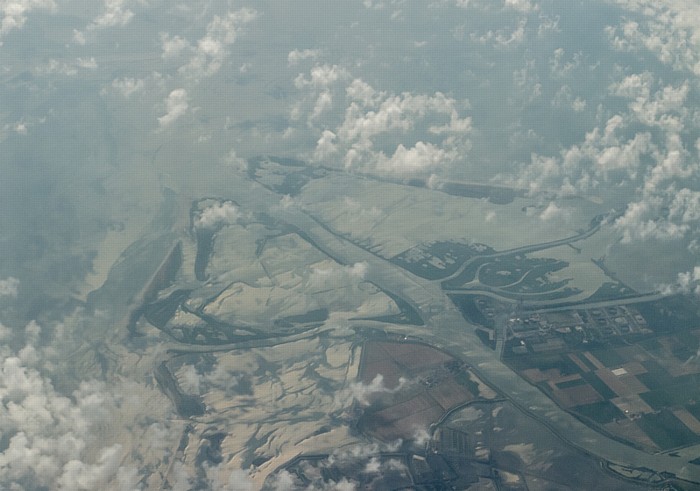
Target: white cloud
point(14, 12)
point(115, 14)
point(78, 37)
point(295, 56)
point(218, 214)
point(323, 103)
point(634, 86)
point(173, 46)
point(502, 38)
point(421, 158)
point(561, 67)
point(667, 28)
point(656, 111)
point(220, 479)
point(211, 50)
point(686, 282)
point(564, 99)
point(51, 439)
point(5, 333)
point(363, 393)
point(287, 202)
point(54, 66)
point(553, 212)
point(421, 437)
point(456, 125)
point(661, 214)
point(371, 115)
point(128, 86)
point(188, 379)
point(321, 76)
point(642, 221)
point(282, 481)
point(578, 105)
point(527, 83)
point(328, 276)
point(235, 162)
point(78, 475)
point(176, 106)
point(547, 25)
point(523, 6)
point(89, 63)
point(643, 146)
point(325, 146)
point(9, 287)
point(690, 280)
point(376, 470)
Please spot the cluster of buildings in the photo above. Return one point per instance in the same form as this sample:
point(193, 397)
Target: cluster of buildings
point(538, 331)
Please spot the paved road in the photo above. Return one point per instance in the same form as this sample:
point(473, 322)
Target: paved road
point(446, 328)
point(595, 226)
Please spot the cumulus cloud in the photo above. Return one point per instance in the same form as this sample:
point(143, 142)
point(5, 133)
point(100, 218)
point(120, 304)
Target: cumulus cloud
point(358, 210)
point(218, 478)
point(553, 212)
point(323, 103)
point(362, 466)
point(128, 86)
point(14, 12)
point(687, 282)
point(173, 46)
point(281, 481)
point(78, 37)
point(176, 105)
point(690, 281)
point(321, 76)
point(523, 6)
point(86, 62)
point(662, 214)
point(666, 28)
point(211, 50)
point(68, 68)
point(287, 202)
point(503, 38)
point(115, 14)
point(235, 162)
point(50, 437)
point(665, 207)
point(428, 131)
point(325, 146)
point(189, 380)
point(363, 393)
point(9, 287)
point(642, 147)
point(561, 66)
point(297, 55)
point(421, 437)
point(364, 450)
point(218, 214)
point(79, 475)
point(564, 99)
point(420, 158)
point(330, 275)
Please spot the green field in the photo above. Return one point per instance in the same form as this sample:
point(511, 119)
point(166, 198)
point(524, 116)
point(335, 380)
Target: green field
point(666, 430)
point(601, 412)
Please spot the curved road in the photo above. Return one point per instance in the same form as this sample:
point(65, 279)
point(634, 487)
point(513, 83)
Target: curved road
point(447, 329)
point(595, 226)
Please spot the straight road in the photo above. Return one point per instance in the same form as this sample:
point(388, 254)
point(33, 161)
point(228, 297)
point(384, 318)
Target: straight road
point(446, 328)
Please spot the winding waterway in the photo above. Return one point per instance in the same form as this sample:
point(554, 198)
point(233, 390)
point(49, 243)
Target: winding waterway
point(446, 329)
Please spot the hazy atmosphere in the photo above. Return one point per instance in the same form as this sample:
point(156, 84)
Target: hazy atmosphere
point(359, 244)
